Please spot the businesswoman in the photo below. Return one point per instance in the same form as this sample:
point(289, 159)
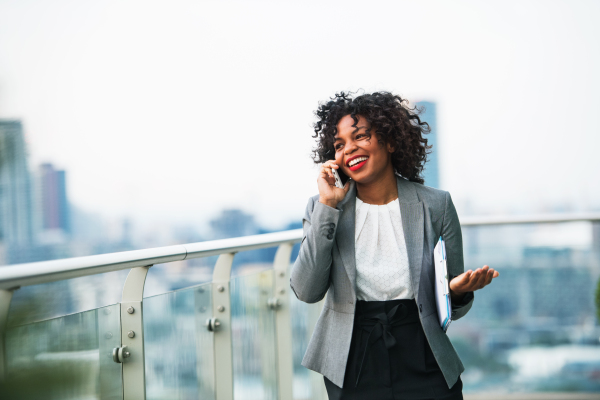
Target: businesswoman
point(369, 247)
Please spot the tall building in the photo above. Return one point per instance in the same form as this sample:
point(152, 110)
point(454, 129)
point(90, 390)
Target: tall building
point(432, 169)
point(16, 225)
point(53, 197)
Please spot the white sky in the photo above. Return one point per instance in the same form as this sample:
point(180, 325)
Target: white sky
point(171, 111)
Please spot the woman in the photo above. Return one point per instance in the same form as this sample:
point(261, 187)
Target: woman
point(369, 246)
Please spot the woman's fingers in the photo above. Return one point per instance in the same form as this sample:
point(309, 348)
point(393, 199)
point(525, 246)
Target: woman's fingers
point(474, 280)
point(326, 173)
point(479, 279)
point(468, 277)
point(330, 164)
point(489, 276)
point(326, 169)
point(462, 281)
point(484, 276)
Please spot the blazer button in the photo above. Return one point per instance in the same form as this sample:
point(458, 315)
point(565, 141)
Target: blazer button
point(331, 230)
point(421, 308)
point(330, 236)
point(332, 225)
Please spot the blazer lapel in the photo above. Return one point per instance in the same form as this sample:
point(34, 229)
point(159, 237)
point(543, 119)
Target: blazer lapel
point(345, 232)
point(411, 210)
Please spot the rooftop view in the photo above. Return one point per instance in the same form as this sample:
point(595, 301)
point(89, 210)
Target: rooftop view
point(155, 166)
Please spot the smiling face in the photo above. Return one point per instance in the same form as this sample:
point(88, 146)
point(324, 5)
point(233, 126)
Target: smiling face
point(359, 153)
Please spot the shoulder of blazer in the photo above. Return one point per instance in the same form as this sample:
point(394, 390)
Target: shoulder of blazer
point(310, 206)
point(430, 195)
point(435, 200)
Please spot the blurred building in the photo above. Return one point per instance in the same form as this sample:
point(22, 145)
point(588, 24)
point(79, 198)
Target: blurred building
point(432, 170)
point(34, 211)
point(16, 222)
point(233, 223)
point(54, 206)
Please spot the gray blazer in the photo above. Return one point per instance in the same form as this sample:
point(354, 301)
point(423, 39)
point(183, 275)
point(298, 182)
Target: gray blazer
point(326, 265)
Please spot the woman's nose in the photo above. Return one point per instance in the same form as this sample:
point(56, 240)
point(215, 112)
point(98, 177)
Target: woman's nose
point(350, 148)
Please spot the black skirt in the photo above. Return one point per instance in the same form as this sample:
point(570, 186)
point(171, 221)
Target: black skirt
point(390, 357)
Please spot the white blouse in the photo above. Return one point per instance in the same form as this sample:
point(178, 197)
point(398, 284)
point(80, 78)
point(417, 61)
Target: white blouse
point(382, 271)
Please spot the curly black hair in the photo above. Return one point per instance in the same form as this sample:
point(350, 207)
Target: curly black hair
point(389, 116)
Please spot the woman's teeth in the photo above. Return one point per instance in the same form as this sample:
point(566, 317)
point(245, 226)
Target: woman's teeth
point(357, 161)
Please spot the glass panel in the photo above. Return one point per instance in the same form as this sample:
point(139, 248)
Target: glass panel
point(534, 328)
point(65, 358)
point(178, 275)
point(253, 261)
point(178, 346)
point(50, 300)
point(253, 337)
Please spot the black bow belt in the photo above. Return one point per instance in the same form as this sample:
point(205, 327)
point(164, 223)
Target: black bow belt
point(381, 326)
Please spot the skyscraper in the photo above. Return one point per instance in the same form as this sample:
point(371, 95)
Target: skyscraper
point(54, 204)
point(16, 225)
point(432, 171)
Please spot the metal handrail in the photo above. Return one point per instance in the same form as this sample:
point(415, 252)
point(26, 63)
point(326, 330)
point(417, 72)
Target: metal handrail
point(17, 275)
point(529, 219)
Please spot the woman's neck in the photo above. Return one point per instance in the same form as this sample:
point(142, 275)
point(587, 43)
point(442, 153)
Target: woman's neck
point(380, 191)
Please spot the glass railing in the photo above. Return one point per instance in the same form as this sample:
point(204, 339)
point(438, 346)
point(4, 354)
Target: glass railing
point(535, 329)
point(178, 345)
point(242, 334)
point(69, 357)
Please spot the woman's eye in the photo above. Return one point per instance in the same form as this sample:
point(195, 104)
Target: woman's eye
point(337, 146)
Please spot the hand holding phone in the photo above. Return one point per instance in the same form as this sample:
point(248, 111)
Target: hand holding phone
point(332, 184)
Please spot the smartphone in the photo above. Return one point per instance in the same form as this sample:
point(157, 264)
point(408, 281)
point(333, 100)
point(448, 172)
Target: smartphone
point(340, 178)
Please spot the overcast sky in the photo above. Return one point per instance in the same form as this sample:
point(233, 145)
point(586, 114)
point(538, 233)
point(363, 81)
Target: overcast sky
point(174, 110)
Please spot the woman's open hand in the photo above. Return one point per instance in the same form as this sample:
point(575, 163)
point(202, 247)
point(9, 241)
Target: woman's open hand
point(329, 194)
point(471, 281)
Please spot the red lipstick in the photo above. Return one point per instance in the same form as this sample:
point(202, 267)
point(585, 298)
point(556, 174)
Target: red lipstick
point(357, 166)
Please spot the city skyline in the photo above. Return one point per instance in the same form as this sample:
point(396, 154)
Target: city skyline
point(38, 222)
point(212, 112)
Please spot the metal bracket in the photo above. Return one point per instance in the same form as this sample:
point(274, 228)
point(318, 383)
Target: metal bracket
point(212, 324)
point(119, 354)
point(132, 335)
point(274, 303)
point(281, 304)
point(204, 340)
point(221, 303)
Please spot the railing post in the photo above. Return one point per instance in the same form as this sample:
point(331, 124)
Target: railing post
point(132, 335)
point(283, 327)
point(205, 351)
point(5, 299)
point(221, 303)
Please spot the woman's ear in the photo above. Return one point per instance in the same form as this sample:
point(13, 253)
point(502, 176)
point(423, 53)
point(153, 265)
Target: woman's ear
point(390, 148)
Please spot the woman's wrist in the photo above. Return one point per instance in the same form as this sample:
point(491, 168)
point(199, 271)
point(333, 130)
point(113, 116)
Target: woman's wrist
point(328, 202)
point(457, 296)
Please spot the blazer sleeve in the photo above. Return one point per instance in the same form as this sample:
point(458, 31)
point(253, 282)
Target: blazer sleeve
point(310, 274)
point(452, 235)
